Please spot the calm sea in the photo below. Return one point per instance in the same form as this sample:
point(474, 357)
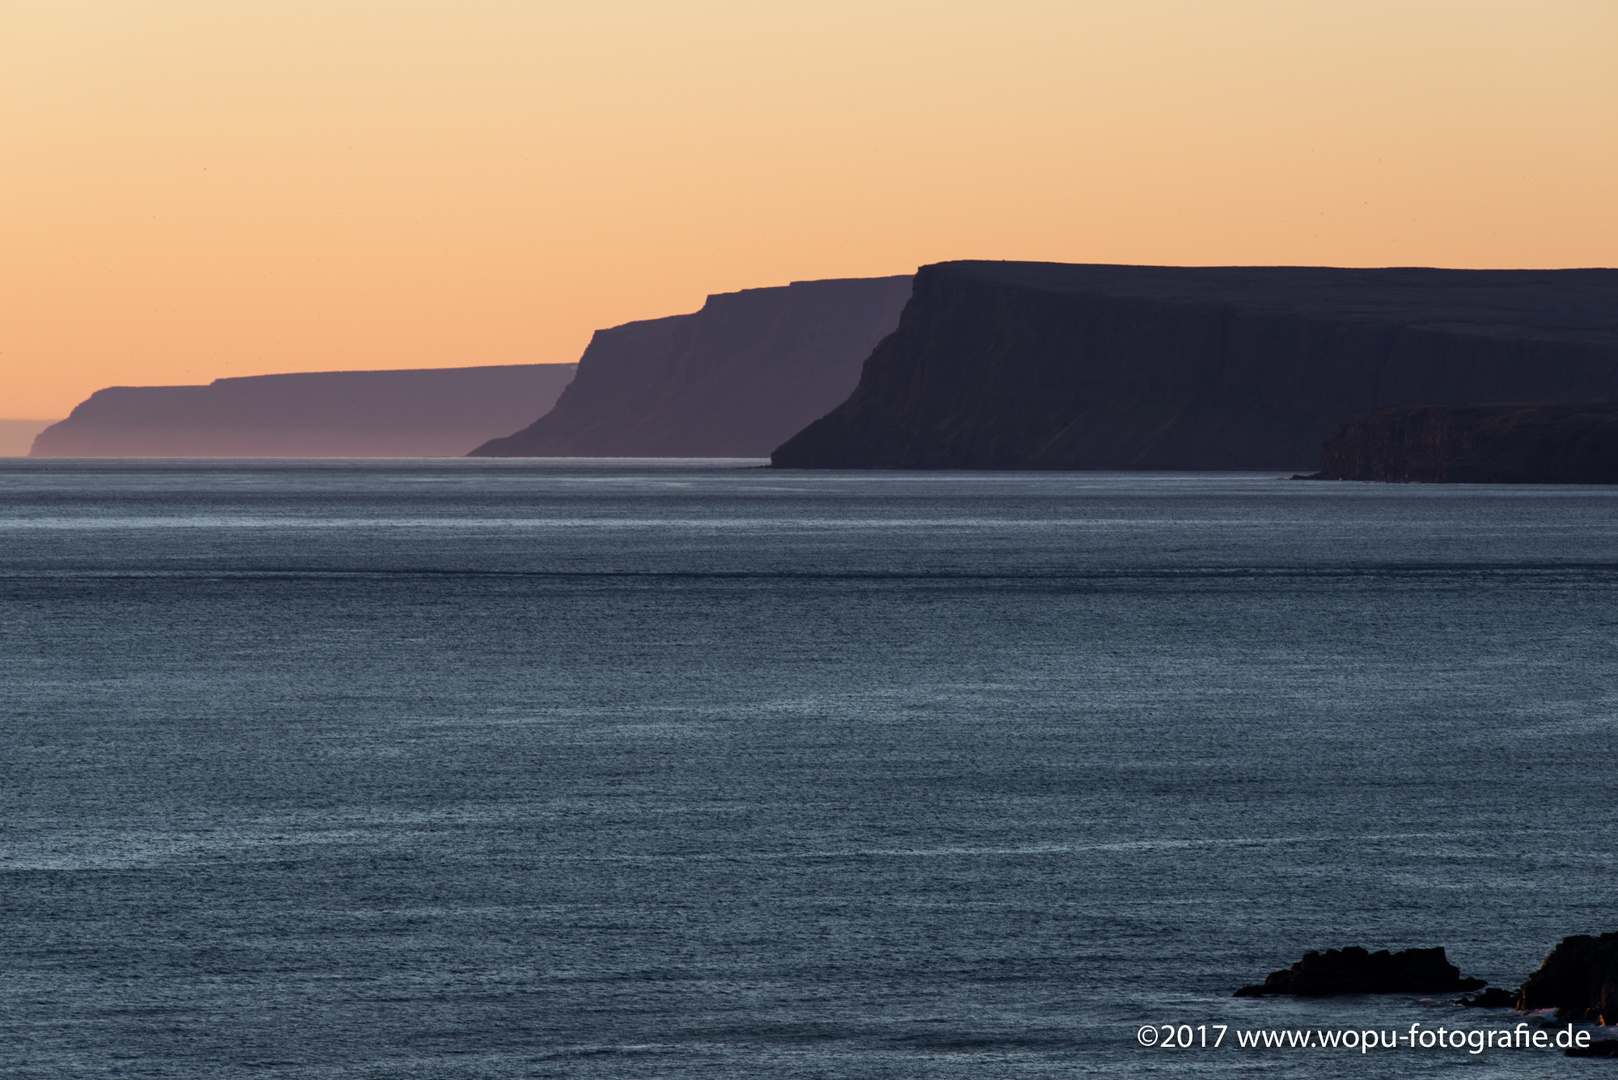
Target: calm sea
point(594, 769)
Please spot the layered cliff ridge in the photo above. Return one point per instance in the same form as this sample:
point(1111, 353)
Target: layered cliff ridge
point(1477, 444)
point(429, 412)
point(1055, 366)
point(731, 380)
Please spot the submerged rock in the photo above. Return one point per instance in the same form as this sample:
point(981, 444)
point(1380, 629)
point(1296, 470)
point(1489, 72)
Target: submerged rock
point(1601, 1048)
point(1579, 979)
point(1357, 971)
point(1491, 998)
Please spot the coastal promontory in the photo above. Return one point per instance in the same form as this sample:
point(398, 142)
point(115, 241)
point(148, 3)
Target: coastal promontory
point(427, 412)
point(1057, 366)
point(730, 380)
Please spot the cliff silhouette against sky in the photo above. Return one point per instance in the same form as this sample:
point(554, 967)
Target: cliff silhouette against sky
point(17, 436)
point(731, 380)
point(430, 412)
point(1047, 365)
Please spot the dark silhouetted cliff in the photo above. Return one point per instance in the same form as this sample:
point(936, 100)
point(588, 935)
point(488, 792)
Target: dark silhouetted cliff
point(731, 380)
point(1044, 365)
point(1479, 444)
point(434, 412)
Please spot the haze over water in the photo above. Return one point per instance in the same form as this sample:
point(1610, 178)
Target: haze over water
point(500, 769)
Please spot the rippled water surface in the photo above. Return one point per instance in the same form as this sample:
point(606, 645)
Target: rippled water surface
point(495, 769)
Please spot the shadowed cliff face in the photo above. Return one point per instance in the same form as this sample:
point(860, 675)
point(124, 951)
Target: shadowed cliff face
point(1482, 444)
point(731, 380)
point(1043, 365)
point(433, 412)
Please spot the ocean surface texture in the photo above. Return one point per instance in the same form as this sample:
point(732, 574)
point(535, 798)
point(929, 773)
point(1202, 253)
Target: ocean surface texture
point(487, 769)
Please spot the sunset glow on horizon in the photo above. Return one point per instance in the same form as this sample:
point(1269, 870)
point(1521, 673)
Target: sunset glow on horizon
point(193, 191)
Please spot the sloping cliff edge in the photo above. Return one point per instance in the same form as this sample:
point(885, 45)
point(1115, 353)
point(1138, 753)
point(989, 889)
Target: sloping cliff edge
point(17, 436)
point(730, 380)
point(1478, 444)
point(423, 412)
point(1056, 366)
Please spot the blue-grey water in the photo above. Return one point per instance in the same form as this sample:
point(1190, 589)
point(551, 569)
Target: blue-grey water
point(502, 769)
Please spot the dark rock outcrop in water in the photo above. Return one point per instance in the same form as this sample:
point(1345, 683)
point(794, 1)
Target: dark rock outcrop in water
point(1356, 971)
point(1579, 979)
point(1480, 444)
point(432, 412)
point(730, 380)
point(1046, 366)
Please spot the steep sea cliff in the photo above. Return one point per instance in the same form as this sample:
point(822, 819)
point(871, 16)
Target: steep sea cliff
point(1044, 365)
point(428, 412)
point(731, 380)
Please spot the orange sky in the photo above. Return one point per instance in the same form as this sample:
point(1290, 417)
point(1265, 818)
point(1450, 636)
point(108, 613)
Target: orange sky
point(191, 189)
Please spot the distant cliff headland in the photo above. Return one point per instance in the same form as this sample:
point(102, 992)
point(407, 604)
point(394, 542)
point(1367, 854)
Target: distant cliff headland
point(1053, 366)
point(731, 380)
point(432, 412)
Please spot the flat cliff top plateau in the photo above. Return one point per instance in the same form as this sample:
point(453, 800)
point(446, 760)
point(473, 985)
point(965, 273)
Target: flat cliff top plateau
point(1056, 366)
point(420, 412)
point(1575, 305)
point(730, 380)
